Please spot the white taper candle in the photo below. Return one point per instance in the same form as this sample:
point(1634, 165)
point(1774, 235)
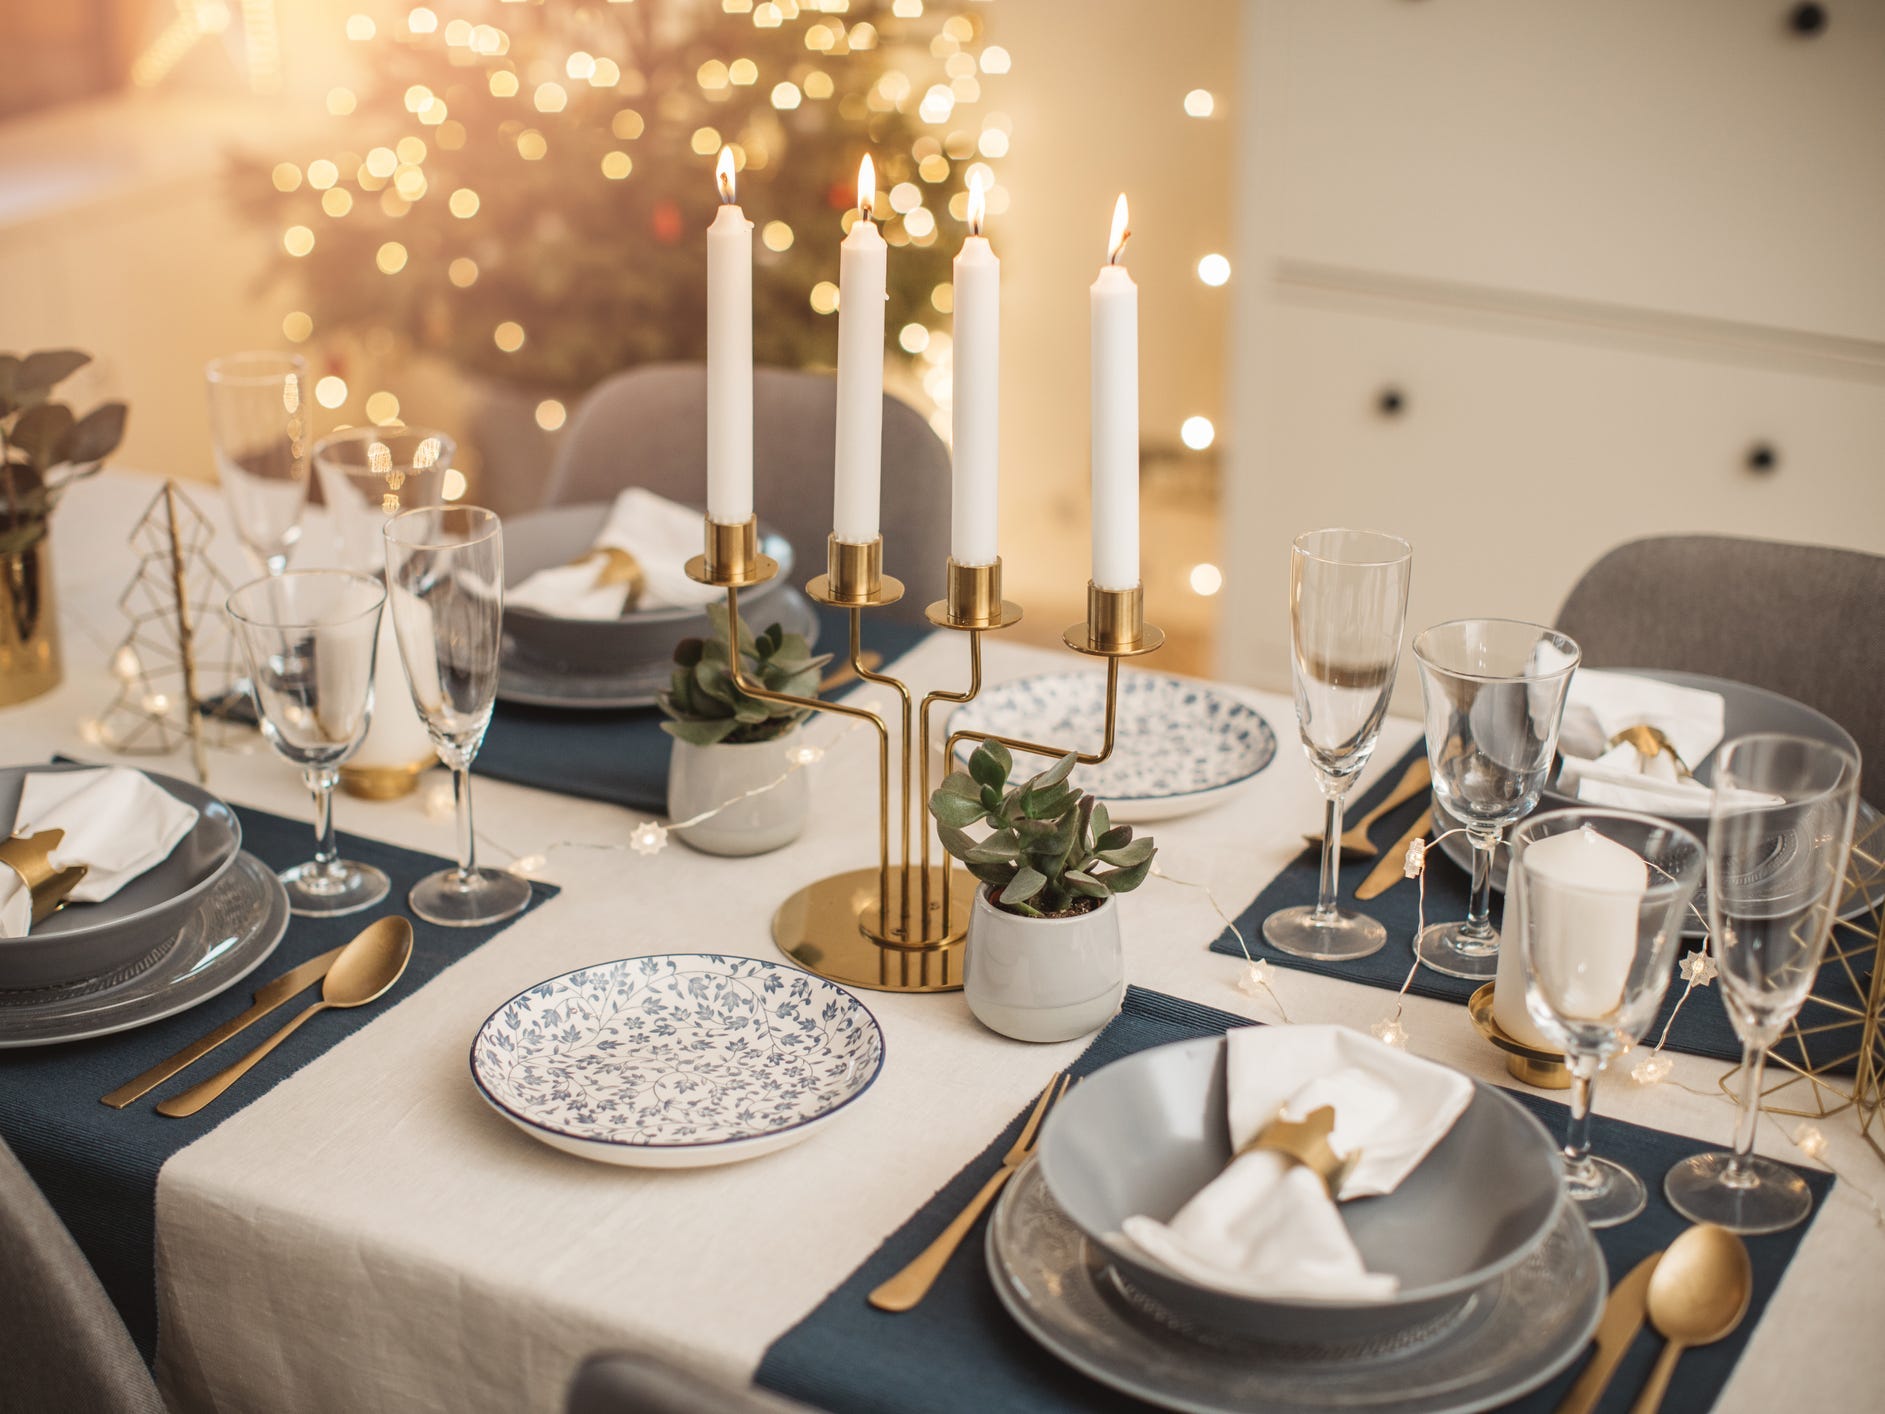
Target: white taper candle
point(1115, 413)
point(857, 476)
point(729, 356)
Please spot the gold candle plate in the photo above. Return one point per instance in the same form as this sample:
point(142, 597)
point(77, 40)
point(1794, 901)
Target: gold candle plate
point(732, 560)
point(1114, 626)
point(1544, 1070)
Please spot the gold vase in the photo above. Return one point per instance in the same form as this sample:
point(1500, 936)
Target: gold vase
point(29, 625)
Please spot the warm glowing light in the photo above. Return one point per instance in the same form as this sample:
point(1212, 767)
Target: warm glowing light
point(907, 9)
point(1214, 269)
point(942, 299)
point(464, 203)
point(382, 162)
point(992, 143)
point(1122, 231)
point(508, 336)
point(978, 202)
point(1206, 579)
point(337, 202)
point(454, 487)
point(296, 326)
point(920, 224)
point(607, 74)
point(723, 176)
point(818, 84)
point(627, 125)
point(391, 258)
point(904, 197)
point(913, 338)
point(1200, 103)
point(382, 407)
point(777, 236)
point(531, 145)
point(297, 240)
point(995, 60)
point(617, 165)
point(711, 75)
point(410, 149)
point(417, 97)
point(322, 174)
point(341, 102)
point(825, 297)
point(785, 96)
point(422, 21)
point(866, 185)
point(361, 28)
point(933, 168)
point(330, 392)
point(463, 272)
point(580, 65)
point(551, 414)
point(767, 16)
point(550, 98)
point(503, 84)
point(287, 176)
point(862, 36)
point(705, 141)
point(743, 72)
point(458, 33)
point(1197, 433)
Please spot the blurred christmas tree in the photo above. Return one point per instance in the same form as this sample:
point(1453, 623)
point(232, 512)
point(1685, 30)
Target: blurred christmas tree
point(522, 188)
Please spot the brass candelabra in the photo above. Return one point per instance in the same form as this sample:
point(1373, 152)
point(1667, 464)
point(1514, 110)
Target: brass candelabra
point(900, 928)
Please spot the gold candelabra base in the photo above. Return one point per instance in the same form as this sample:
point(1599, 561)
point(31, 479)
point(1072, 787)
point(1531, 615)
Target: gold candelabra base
point(836, 928)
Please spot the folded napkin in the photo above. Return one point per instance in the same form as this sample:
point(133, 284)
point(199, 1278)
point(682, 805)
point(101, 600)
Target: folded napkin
point(117, 822)
point(1266, 1226)
point(661, 535)
point(1600, 705)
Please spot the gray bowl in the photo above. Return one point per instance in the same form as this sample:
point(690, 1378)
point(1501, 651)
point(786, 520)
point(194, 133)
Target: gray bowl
point(544, 539)
point(1143, 1135)
point(85, 941)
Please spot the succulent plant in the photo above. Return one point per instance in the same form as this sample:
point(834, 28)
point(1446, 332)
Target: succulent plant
point(1048, 839)
point(702, 702)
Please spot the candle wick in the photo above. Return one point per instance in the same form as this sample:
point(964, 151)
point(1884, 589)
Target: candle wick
point(1119, 249)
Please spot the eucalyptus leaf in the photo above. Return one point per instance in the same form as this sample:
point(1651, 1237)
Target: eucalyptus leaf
point(957, 842)
point(1117, 838)
point(94, 436)
point(43, 371)
point(1101, 822)
point(39, 432)
point(999, 874)
point(1085, 884)
point(959, 783)
point(1054, 774)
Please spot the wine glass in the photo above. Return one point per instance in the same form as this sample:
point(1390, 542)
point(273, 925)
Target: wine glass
point(258, 423)
point(1494, 694)
point(445, 574)
point(1347, 606)
point(309, 638)
point(369, 474)
point(1595, 904)
point(1779, 832)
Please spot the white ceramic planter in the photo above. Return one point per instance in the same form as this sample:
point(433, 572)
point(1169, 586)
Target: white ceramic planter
point(701, 777)
point(1043, 979)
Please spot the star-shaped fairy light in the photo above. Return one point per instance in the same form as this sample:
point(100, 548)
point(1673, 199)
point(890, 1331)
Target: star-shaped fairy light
point(1699, 969)
point(1389, 1032)
point(1416, 859)
point(805, 754)
point(1810, 1141)
point(649, 837)
point(1255, 979)
point(1652, 1069)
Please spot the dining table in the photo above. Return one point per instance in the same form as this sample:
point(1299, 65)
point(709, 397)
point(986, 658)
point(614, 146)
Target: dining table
point(368, 1234)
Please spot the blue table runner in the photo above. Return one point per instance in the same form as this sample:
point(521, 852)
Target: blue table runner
point(960, 1349)
point(98, 1166)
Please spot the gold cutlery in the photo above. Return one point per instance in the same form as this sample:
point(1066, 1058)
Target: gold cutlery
point(1355, 841)
point(1623, 1318)
point(366, 968)
point(267, 998)
point(912, 1284)
point(1698, 1294)
point(1392, 869)
point(845, 672)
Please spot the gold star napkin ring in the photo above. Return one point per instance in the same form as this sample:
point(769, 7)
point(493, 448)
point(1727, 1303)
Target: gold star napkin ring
point(1305, 1141)
point(616, 566)
point(1649, 741)
point(30, 857)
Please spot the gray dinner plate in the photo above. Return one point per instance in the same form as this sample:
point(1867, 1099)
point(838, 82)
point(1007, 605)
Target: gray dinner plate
point(1509, 1337)
point(84, 941)
point(556, 535)
point(1144, 1134)
point(228, 934)
point(524, 680)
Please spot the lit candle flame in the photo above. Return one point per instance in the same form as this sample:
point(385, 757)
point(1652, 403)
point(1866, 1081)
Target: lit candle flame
point(866, 186)
point(978, 206)
point(1121, 232)
point(723, 174)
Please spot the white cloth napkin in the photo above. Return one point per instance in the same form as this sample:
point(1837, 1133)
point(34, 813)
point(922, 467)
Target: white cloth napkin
point(1599, 705)
point(1266, 1227)
point(661, 535)
point(117, 822)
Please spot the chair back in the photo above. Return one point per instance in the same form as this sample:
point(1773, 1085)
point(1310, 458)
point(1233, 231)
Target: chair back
point(1807, 621)
point(648, 427)
point(645, 1383)
point(65, 1344)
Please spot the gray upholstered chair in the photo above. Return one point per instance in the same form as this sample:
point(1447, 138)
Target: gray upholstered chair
point(1804, 620)
point(62, 1344)
point(644, 1383)
point(648, 427)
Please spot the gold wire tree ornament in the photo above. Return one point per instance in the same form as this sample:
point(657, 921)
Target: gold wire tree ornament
point(178, 655)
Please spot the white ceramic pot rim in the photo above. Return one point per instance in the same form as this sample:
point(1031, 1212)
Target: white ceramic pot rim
point(742, 745)
point(982, 900)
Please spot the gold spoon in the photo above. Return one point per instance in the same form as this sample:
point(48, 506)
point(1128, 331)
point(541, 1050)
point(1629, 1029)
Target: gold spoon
point(1355, 841)
point(1698, 1294)
point(363, 972)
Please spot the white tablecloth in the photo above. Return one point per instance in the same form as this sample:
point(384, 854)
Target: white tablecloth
point(368, 1236)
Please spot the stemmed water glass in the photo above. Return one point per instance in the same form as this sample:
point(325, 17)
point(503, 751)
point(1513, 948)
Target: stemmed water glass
point(369, 474)
point(445, 575)
point(1347, 607)
point(1494, 693)
point(1595, 904)
point(1779, 832)
point(258, 423)
point(309, 638)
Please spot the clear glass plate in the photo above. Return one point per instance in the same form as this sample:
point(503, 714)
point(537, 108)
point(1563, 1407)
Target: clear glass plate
point(1509, 1338)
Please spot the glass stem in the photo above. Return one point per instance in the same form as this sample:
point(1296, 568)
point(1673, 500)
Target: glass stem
point(1331, 858)
point(467, 838)
point(1740, 1172)
point(320, 781)
point(1479, 911)
point(1577, 1164)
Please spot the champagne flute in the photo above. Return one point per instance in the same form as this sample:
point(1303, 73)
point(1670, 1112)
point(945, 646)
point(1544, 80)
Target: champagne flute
point(445, 575)
point(1595, 904)
point(258, 422)
point(1347, 607)
point(310, 639)
point(1494, 694)
point(1779, 832)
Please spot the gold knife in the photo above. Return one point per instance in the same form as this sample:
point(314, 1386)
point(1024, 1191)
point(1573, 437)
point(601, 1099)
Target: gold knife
point(1623, 1318)
point(1392, 868)
point(284, 988)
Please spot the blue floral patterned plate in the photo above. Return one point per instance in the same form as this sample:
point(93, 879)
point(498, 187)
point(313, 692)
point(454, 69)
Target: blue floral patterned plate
point(1181, 746)
point(676, 1061)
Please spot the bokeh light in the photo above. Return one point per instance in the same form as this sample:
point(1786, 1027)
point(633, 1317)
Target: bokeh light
point(551, 414)
point(464, 203)
point(297, 240)
point(1206, 579)
point(777, 236)
point(287, 176)
point(463, 272)
point(382, 407)
point(391, 258)
point(296, 326)
point(913, 338)
point(1200, 103)
point(1197, 433)
point(825, 297)
point(341, 101)
point(1214, 269)
point(508, 336)
point(331, 391)
point(531, 145)
point(617, 165)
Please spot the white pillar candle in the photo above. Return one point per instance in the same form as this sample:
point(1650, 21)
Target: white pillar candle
point(1583, 903)
point(729, 356)
point(1115, 413)
point(975, 420)
point(857, 476)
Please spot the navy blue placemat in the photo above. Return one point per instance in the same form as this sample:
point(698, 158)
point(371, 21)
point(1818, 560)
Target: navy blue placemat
point(99, 1166)
point(960, 1349)
point(621, 755)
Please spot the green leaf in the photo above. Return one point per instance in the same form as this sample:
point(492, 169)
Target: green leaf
point(39, 432)
point(954, 810)
point(1085, 884)
point(1124, 881)
point(687, 652)
point(990, 764)
point(998, 874)
point(43, 371)
point(1114, 839)
point(95, 436)
point(1135, 853)
point(716, 680)
point(1050, 806)
point(751, 710)
point(700, 733)
point(957, 842)
point(1054, 774)
point(996, 849)
point(1102, 822)
point(1025, 885)
point(962, 784)
point(991, 798)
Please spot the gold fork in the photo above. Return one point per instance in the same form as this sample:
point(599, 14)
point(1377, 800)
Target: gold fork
point(912, 1284)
